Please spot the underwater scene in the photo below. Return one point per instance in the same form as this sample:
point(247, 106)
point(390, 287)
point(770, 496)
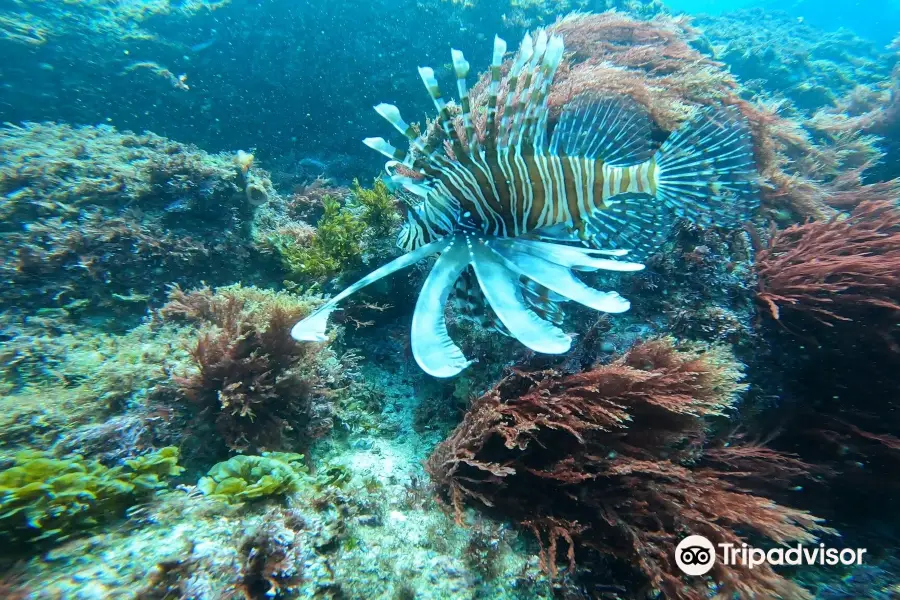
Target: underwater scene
point(449, 299)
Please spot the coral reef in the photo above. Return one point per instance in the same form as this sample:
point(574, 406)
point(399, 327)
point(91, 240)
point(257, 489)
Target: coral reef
point(272, 565)
point(872, 109)
point(105, 219)
point(702, 282)
point(831, 288)
point(46, 498)
point(775, 54)
point(616, 461)
point(362, 529)
point(833, 87)
point(255, 386)
point(83, 391)
point(606, 456)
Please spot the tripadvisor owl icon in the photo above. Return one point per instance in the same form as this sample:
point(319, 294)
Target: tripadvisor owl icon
point(695, 555)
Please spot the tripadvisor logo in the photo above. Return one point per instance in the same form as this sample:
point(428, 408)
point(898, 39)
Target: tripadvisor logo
point(696, 555)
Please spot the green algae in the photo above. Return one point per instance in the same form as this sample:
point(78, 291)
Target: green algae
point(335, 245)
point(343, 234)
point(48, 498)
point(242, 478)
point(379, 208)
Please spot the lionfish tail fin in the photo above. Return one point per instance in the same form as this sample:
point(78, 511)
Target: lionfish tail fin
point(706, 170)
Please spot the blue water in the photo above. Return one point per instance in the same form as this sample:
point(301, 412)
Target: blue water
point(877, 20)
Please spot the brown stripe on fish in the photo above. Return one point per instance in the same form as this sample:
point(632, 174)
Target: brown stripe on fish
point(597, 189)
point(573, 186)
point(587, 198)
point(502, 186)
point(517, 186)
point(486, 180)
point(520, 172)
point(651, 175)
point(611, 174)
point(539, 190)
point(556, 191)
point(625, 181)
point(511, 216)
point(563, 214)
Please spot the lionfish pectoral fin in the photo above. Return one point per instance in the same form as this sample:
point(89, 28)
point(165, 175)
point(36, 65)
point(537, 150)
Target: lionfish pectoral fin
point(706, 170)
point(560, 232)
point(560, 279)
point(432, 347)
point(501, 288)
point(312, 328)
point(567, 233)
point(543, 301)
point(634, 221)
point(470, 304)
point(615, 130)
point(571, 257)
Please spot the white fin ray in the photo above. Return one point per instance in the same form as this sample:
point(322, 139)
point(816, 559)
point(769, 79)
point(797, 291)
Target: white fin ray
point(572, 257)
point(616, 130)
point(500, 286)
point(560, 280)
point(432, 347)
point(312, 328)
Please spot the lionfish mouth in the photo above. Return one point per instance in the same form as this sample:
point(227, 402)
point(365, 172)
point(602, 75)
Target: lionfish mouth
point(499, 264)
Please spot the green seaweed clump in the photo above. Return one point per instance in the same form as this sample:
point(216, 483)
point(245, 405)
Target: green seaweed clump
point(242, 477)
point(43, 497)
point(345, 235)
point(379, 208)
point(335, 245)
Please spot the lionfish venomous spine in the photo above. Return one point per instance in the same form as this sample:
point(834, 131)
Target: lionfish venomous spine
point(512, 212)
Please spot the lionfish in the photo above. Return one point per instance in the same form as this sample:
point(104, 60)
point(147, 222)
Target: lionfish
point(514, 209)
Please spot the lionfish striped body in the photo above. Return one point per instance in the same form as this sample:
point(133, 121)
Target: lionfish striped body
point(513, 208)
point(509, 193)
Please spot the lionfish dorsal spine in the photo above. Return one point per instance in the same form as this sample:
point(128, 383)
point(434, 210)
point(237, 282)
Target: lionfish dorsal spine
point(444, 118)
point(523, 56)
point(552, 58)
point(382, 146)
point(528, 100)
point(392, 115)
point(494, 90)
point(461, 68)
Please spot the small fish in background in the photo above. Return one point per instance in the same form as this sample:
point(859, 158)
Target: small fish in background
point(514, 210)
point(182, 205)
point(207, 44)
point(176, 81)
